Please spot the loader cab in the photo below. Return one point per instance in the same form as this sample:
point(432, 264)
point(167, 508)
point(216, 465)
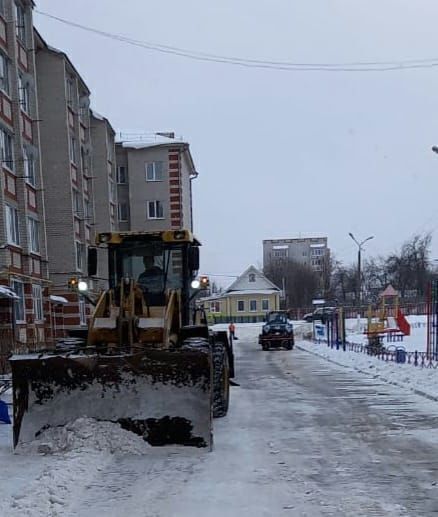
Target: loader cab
point(156, 262)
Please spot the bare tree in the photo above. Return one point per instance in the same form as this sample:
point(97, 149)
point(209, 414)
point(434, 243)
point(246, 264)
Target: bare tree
point(301, 283)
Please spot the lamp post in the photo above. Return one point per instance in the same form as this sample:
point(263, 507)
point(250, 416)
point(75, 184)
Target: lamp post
point(359, 259)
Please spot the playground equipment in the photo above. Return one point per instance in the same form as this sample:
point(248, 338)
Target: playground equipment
point(386, 320)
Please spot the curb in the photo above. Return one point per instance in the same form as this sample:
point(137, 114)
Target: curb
point(367, 373)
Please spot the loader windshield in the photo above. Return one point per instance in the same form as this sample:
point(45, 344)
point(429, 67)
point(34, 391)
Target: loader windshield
point(155, 266)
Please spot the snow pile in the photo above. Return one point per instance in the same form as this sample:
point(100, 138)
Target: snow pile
point(423, 381)
point(87, 434)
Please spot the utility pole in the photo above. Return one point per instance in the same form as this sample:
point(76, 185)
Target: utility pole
point(359, 266)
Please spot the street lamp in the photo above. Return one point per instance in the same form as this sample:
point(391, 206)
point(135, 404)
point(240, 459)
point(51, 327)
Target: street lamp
point(359, 257)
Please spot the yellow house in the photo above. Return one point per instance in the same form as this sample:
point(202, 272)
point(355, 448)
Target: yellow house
point(246, 300)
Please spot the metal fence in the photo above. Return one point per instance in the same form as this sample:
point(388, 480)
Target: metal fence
point(236, 319)
point(393, 354)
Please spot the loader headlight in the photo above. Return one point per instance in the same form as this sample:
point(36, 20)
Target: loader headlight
point(266, 329)
point(82, 285)
point(196, 284)
point(289, 328)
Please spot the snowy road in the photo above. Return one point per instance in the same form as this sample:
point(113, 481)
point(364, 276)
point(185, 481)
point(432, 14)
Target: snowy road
point(303, 438)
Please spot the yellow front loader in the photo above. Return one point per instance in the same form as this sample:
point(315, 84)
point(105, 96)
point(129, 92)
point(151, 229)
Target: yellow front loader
point(148, 361)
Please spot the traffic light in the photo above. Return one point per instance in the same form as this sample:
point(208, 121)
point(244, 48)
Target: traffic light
point(73, 284)
point(205, 282)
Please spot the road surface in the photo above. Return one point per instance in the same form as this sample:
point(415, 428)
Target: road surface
point(303, 438)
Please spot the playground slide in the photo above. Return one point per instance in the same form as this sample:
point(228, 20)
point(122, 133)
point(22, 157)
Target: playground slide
point(403, 323)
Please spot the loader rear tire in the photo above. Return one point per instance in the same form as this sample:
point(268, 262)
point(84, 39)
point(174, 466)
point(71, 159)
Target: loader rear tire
point(221, 380)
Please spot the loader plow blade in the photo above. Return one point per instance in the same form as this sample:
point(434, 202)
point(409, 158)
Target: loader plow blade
point(164, 396)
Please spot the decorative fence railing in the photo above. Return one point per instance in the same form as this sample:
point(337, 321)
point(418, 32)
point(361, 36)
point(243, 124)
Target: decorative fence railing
point(389, 354)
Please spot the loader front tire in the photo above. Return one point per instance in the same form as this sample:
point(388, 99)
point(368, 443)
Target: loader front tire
point(221, 380)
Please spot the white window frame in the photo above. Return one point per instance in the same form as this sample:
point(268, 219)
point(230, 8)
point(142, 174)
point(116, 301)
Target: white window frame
point(82, 312)
point(79, 254)
point(77, 205)
point(12, 225)
point(29, 167)
point(20, 22)
point(24, 95)
point(70, 90)
point(73, 150)
point(122, 218)
point(155, 204)
point(37, 302)
point(5, 85)
point(250, 302)
point(152, 167)
point(267, 304)
point(7, 149)
point(19, 304)
point(243, 303)
point(112, 190)
point(251, 277)
point(33, 226)
point(122, 179)
point(215, 307)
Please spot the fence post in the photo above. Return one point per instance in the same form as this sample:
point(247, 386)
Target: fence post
point(416, 358)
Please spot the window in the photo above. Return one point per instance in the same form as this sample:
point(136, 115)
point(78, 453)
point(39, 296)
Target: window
point(215, 306)
point(34, 234)
point(12, 225)
point(87, 209)
point(18, 288)
point(154, 171)
point(253, 305)
point(29, 167)
point(7, 149)
point(84, 160)
point(76, 202)
point(122, 175)
point(240, 306)
point(112, 190)
point(317, 252)
point(4, 73)
point(23, 92)
point(82, 312)
point(70, 87)
point(252, 277)
point(37, 300)
point(280, 253)
point(73, 149)
point(2, 8)
point(265, 305)
point(122, 212)
point(79, 256)
point(155, 210)
point(21, 22)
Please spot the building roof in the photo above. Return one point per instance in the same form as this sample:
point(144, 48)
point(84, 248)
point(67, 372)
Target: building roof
point(158, 140)
point(43, 45)
point(98, 116)
point(260, 283)
point(389, 291)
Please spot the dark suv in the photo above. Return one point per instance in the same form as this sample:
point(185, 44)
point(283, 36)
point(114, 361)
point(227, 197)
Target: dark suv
point(277, 331)
point(320, 314)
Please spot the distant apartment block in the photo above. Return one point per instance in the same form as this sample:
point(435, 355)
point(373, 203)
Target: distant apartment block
point(312, 252)
point(23, 251)
point(154, 184)
point(66, 155)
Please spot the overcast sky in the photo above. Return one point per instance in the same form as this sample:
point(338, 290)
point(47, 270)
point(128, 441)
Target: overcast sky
point(280, 154)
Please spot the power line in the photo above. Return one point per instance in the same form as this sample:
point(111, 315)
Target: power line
point(359, 66)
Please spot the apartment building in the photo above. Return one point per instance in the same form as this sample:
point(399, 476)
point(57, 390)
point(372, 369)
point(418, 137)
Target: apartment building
point(154, 183)
point(67, 165)
point(309, 251)
point(23, 250)
point(104, 184)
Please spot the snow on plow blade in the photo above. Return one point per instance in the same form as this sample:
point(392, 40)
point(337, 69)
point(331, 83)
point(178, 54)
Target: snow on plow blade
point(164, 396)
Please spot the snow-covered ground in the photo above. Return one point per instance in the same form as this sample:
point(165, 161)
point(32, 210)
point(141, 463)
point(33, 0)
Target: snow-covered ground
point(304, 437)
